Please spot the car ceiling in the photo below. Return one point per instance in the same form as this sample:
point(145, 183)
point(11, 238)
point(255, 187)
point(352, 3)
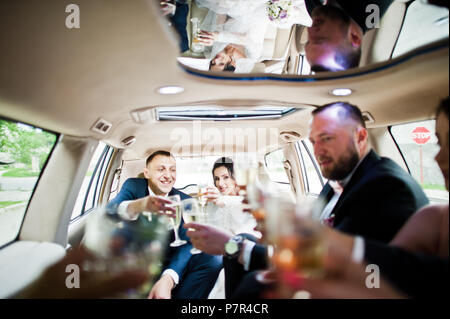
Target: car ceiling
point(64, 80)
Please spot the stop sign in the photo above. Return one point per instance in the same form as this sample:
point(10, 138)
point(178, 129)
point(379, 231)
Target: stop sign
point(421, 135)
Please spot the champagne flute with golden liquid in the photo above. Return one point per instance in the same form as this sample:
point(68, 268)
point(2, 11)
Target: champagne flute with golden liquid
point(192, 214)
point(299, 240)
point(175, 203)
point(245, 169)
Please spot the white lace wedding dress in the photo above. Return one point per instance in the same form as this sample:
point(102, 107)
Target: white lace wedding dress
point(230, 217)
point(245, 22)
point(242, 22)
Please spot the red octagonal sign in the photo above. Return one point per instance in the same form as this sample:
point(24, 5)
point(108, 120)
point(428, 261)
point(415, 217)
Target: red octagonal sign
point(421, 135)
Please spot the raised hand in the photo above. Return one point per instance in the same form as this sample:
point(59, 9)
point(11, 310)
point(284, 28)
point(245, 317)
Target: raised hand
point(207, 238)
point(206, 38)
point(167, 8)
point(157, 205)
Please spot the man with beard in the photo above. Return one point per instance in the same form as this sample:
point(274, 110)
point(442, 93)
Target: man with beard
point(335, 37)
point(366, 195)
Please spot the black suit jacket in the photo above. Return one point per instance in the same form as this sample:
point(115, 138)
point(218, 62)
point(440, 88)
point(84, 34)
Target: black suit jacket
point(377, 201)
point(417, 275)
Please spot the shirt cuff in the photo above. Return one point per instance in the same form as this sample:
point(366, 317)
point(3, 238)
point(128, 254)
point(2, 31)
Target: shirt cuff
point(247, 253)
point(123, 213)
point(172, 273)
point(358, 249)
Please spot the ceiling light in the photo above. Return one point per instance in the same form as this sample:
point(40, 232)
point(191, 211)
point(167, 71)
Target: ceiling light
point(341, 92)
point(171, 89)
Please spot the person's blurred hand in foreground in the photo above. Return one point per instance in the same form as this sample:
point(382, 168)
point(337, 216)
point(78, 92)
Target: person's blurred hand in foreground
point(52, 282)
point(207, 238)
point(343, 279)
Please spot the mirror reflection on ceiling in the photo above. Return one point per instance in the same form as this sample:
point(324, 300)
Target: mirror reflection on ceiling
point(300, 37)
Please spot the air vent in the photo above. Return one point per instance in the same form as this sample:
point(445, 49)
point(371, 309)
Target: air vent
point(289, 137)
point(128, 141)
point(101, 126)
point(368, 118)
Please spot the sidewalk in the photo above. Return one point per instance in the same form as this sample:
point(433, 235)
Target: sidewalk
point(14, 196)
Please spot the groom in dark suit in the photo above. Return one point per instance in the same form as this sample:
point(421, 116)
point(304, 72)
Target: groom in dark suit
point(185, 275)
point(367, 195)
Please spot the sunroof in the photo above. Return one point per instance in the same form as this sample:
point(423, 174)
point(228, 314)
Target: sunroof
point(216, 113)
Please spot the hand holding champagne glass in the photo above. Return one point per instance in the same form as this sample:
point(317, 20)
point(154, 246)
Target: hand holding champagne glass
point(168, 7)
point(299, 246)
point(119, 246)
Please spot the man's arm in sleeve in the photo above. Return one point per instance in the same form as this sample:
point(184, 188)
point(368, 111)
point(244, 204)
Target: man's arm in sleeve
point(418, 275)
point(178, 262)
point(258, 257)
point(126, 194)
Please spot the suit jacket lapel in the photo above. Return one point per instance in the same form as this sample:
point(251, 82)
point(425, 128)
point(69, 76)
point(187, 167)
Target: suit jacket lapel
point(324, 197)
point(327, 193)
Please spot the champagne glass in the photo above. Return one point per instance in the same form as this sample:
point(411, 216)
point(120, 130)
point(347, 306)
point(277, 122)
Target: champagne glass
point(311, 237)
point(175, 203)
point(202, 188)
point(298, 240)
point(245, 168)
point(196, 46)
point(118, 245)
point(192, 214)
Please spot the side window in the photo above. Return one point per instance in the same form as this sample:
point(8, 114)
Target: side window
point(418, 144)
point(24, 151)
point(275, 167)
point(90, 189)
point(312, 177)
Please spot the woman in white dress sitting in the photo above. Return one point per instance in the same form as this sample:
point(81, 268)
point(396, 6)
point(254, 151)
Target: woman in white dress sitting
point(233, 33)
point(225, 208)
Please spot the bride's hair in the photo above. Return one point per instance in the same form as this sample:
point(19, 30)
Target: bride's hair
point(225, 162)
point(229, 68)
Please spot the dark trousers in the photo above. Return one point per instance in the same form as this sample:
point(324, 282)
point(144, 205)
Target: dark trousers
point(199, 277)
point(239, 283)
point(180, 24)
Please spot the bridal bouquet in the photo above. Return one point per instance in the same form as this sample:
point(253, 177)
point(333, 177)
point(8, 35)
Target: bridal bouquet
point(279, 11)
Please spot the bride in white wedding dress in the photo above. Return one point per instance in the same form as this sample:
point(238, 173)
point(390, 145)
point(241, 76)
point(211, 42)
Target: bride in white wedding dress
point(233, 32)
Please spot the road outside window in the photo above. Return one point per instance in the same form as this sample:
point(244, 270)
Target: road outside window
point(24, 151)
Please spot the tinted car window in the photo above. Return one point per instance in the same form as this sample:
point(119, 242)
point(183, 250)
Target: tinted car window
point(24, 151)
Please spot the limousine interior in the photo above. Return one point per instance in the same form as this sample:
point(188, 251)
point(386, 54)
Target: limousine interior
point(81, 109)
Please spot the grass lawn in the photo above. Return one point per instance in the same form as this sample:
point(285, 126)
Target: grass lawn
point(434, 187)
point(20, 172)
point(9, 203)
